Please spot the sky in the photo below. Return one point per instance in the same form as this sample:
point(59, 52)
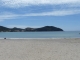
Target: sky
point(64, 14)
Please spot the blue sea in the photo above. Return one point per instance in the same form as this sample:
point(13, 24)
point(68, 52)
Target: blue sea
point(65, 34)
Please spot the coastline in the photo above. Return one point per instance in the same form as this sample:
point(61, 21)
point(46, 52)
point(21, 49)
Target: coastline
point(40, 49)
point(39, 38)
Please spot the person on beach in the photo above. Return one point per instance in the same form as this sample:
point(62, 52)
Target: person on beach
point(4, 38)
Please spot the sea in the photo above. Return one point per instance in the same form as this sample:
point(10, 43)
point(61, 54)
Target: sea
point(59, 34)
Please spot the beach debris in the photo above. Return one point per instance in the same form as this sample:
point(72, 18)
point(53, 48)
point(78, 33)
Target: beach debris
point(4, 38)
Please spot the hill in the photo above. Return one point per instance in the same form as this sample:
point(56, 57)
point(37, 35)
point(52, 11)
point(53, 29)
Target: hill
point(15, 29)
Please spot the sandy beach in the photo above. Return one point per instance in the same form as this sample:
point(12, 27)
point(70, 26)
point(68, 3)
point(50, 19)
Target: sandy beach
point(40, 49)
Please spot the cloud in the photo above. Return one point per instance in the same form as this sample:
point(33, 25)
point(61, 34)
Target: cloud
point(68, 7)
point(23, 3)
point(55, 13)
point(7, 16)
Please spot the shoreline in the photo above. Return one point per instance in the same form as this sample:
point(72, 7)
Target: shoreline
point(40, 38)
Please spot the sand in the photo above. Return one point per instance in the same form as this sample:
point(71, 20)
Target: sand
point(39, 49)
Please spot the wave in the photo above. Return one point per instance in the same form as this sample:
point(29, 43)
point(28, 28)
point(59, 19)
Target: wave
point(42, 38)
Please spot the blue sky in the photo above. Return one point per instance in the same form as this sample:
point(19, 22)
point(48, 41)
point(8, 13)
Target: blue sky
point(37, 13)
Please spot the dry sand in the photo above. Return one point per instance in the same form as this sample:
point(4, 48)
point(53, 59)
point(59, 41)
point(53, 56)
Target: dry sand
point(40, 49)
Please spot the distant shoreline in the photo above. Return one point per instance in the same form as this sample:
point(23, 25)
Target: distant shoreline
point(40, 38)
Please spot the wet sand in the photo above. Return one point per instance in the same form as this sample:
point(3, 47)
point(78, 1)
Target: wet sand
point(40, 49)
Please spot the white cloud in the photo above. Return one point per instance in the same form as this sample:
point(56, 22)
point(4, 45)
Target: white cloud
point(55, 13)
point(22, 3)
point(7, 16)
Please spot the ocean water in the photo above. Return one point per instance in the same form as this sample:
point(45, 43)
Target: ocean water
point(65, 34)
